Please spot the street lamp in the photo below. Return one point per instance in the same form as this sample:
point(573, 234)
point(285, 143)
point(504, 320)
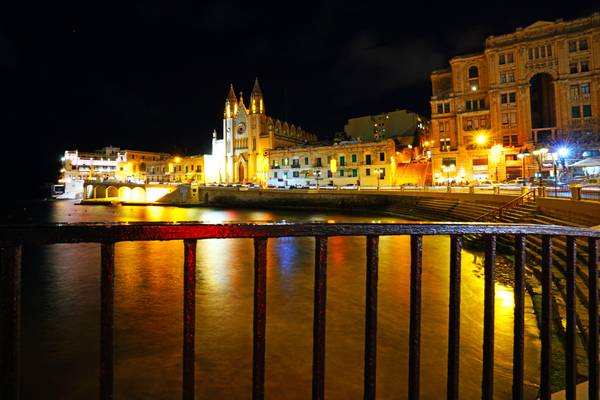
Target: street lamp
point(522, 155)
point(447, 169)
point(378, 173)
point(539, 153)
point(318, 176)
point(496, 152)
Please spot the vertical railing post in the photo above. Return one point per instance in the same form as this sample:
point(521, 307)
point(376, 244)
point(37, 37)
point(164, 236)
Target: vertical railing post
point(416, 258)
point(454, 318)
point(318, 379)
point(593, 388)
point(189, 317)
point(371, 317)
point(487, 386)
point(571, 335)
point(546, 334)
point(10, 321)
point(107, 294)
point(260, 318)
point(519, 317)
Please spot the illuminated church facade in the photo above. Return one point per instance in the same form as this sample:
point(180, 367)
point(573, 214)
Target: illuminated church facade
point(240, 155)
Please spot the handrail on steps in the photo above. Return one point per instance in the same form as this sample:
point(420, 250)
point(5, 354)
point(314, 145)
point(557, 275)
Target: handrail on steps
point(511, 204)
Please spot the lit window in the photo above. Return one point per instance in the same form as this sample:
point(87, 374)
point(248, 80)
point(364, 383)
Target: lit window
point(585, 88)
point(504, 118)
point(574, 90)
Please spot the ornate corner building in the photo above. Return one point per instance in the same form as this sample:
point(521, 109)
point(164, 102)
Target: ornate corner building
point(241, 155)
point(537, 87)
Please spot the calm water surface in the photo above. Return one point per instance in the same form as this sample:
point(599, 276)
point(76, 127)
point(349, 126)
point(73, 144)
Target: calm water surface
point(61, 313)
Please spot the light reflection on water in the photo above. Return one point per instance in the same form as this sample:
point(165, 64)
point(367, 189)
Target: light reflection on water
point(61, 314)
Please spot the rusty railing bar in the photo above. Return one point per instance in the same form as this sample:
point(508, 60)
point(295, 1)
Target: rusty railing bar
point(571, 334)
point(454, 318)
point(189, 317)
point(487, 384)
point(107, 319)
point(318, 378)
point(10, 321)
point(371, 317)
point(260, 318)
point(416, 267)
point(519, 318)
point(593, 387)
point(97, 233)
point(546, 333)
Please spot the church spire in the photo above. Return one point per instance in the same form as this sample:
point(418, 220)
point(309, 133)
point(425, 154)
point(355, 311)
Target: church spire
point(256, 99)
point(231, 103)
point(241, 103)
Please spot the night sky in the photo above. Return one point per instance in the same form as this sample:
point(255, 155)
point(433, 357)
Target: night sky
point(153, 75)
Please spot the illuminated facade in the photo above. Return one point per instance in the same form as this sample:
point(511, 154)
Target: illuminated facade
point(106, 164)
point(347, 163)
point(538, 87)
point(248, 133)
point(176, 169)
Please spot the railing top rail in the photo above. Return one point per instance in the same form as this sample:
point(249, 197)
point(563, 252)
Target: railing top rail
point(506, 205)
point(144, 231)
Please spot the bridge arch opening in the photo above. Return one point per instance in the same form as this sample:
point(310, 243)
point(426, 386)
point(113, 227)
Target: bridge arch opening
point(138, 194)
point(125, 193)
point(112, 191)
point(99, 192)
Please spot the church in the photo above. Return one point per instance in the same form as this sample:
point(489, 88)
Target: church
point(241, 154)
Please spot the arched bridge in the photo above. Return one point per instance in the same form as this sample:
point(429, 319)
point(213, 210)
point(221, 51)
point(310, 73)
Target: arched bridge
point(126, 191)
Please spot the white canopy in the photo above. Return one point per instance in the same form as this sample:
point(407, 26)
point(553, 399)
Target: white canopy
point(587, 162)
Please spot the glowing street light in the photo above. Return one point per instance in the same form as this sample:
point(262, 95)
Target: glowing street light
point(563, 152)
point(481, 139)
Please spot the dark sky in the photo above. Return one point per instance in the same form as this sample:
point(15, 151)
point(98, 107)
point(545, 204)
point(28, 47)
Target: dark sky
point(154, 74)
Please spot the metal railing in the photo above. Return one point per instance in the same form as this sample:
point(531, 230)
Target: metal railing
point(12, 238)
point(519, 201)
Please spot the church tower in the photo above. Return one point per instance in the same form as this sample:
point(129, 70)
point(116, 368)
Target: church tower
point(231, 106)
point(258, 129)
point(256, 100)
